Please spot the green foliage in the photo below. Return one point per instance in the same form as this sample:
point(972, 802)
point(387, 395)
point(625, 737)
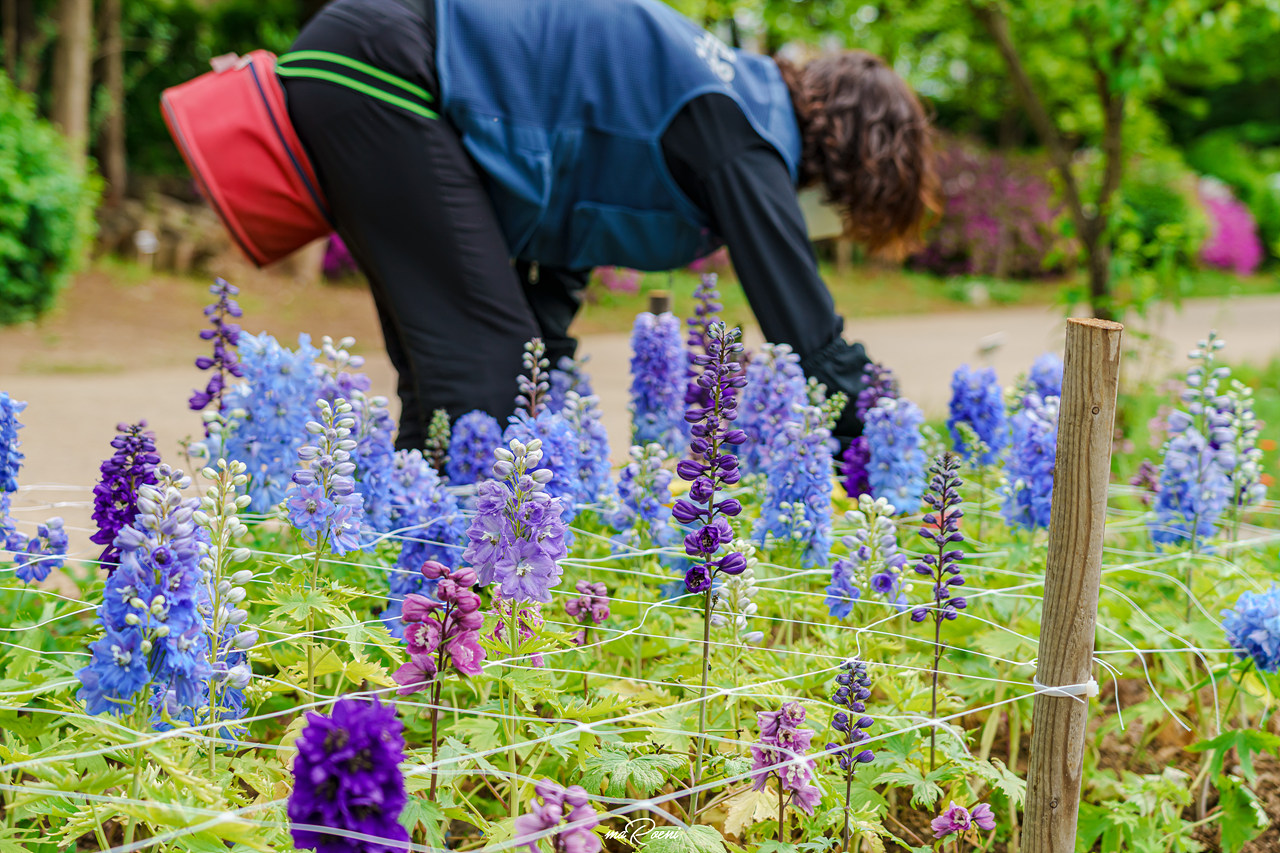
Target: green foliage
point(46, 208)
point(1243, 815)
point(1137, 813)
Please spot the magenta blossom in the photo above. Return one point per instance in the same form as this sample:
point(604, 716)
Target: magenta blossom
point(442, 634)
point(958, 819)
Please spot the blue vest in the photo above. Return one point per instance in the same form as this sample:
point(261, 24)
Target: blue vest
point(562, 104)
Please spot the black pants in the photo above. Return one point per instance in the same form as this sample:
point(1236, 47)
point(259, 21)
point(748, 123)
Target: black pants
point(411, 207)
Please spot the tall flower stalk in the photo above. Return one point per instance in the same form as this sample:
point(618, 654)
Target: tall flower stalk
point(225, 335)
point(712, 467)
point(780, 753)
point(853, 689)
point(115, 497)
point(941, 565)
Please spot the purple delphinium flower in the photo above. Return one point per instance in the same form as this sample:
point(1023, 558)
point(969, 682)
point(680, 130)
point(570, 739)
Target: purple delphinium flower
point(558, 454)
point(977, 399)
point(10, 456)
point(1253, 628)
point(659, 373)
point(517, 536)
point(471, 445)
point(35, 557)
point(534, 386)
point(1028, 493)
point(643, 515)
point(714, 464)
point(1147, 478)
point(323, 503)
point(347, 776)
point(154, 633)
point(775, 387)
point(115, 497)
point(958, 819)
point(706, 313)
point(569, 374)
point(224, 335)
point(590, 608)
point(896, 467)
point(267, 413)
point(853, 689)
point(780, 754)
point(942, 564)
point(797, 501)
point(873, 556)
point(569, 806)
point(1045, 378)
point(879, 382)
point(430, 526)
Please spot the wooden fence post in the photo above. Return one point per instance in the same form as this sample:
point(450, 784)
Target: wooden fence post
point(659, 302)
point(1072, 577)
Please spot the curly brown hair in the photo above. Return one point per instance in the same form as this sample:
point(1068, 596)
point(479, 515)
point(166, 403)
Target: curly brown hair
point(867, 140)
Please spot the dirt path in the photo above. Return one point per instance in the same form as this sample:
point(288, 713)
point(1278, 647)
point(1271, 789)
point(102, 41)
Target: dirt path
point(120, 348)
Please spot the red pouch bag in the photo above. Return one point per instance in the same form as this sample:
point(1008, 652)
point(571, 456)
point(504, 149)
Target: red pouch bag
point(233, 129)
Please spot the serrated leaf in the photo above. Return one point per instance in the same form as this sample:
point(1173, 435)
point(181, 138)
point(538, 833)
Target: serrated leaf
point(925, 792)
point(612, 770)
point(695, 839)
point(1243, 816)
point(296, 602)
point(419, 811)
point(1247, 742)
point(749, 807)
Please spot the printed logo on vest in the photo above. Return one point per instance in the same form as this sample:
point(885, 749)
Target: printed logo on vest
point(718, 56)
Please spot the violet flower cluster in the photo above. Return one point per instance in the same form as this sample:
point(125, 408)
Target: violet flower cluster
point(1028, 494)
point(957, 820)
point(267, 413)
point(224, 335)
point(853, 689)
point(1247, 487)
point(643, 514)
point(564, 816)
point(977, 399)
point(1253, 628)
point(346, 776)
point(873, 556)
point(589, 609)
point(797, 500)
point(895, 470)
point(594, 473)
point(154, 650)
point(471, 444)
point(706, 314)
point(115, 497)
point(942, 529)
point(659, 373)
point(569, 374)
point(517, 537)
point(430, 526)
point(1045, 377)
point(442, 633)
point(323, 504)
point(558, 455)
point(533, 384)
point(714, 464)
point(879, 382)
point(775, 388)
point(780, 753)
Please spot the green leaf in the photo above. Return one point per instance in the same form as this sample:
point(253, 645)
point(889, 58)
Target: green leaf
point(419, 811)
point(612, 770)
point(1243, 816)
point(671, 839)
point(1247, 742)
point(749, 807)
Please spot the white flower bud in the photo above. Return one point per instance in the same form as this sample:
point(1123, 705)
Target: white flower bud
point(236, 595)
point(138, 603)
point(237, 617)
point(315, 428)
point(224, 587)
point(534, 445)
point(245, 640)
point(145, 645)
point(503, 455)
point(131, 619)
point(239, 555)
point(243, 501)
point(541, 476)
point(162, 631)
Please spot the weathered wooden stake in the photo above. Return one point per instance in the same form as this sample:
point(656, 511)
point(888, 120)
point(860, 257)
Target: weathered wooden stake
point(1072, 576)
point(659, 302)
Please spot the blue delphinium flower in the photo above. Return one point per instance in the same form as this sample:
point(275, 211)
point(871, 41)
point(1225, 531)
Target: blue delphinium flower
point(797, 501)
point(559, 453)
point(154, 651)
point(1029, 491)
point(224, 335)
point(976, 399)
point(713, 464)
point(879, 383)
point(659, 372)
point(873, 557)
point(643, 514)
point(429, 525)
point(1045, 378)
point(517, 537)
point(323, 504)
point(569, 374)
point(267, 413)
point(471, 445)
point(853, 689)
point(595, 474)
point(10, 456)
point(347, 776)
point(775, 387)
point(115, 497)
point(896, 466)
point(1247, 487)
point(35, 557)
point(1194, 491)
point(1253, 628)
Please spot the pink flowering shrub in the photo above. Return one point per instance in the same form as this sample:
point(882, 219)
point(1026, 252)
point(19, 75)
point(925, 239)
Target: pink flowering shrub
point(998, 218)
point(1233, 242)
point(620, 279)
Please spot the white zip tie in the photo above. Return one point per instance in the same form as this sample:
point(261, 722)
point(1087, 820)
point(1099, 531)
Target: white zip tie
point(1066, 691)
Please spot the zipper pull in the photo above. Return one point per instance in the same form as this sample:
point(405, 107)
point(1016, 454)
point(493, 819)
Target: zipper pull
point(533, 272)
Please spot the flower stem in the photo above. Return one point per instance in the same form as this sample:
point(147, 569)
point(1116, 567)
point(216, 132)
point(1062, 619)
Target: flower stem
point(311, 619)
point(782, 812)
point(933, 706)
point(702, 699)
point(435, 743)
point(848, 795)
point(513, 638)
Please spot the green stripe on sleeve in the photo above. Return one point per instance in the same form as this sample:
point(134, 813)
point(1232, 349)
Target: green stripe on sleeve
point(339, 59)
point(363, 88)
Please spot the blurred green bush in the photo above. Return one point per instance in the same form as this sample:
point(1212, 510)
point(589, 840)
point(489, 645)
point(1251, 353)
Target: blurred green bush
point(46, 209)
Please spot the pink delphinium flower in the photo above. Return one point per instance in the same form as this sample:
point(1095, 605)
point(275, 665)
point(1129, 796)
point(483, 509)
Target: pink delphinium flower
point(958, 819)
point(560, 805)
